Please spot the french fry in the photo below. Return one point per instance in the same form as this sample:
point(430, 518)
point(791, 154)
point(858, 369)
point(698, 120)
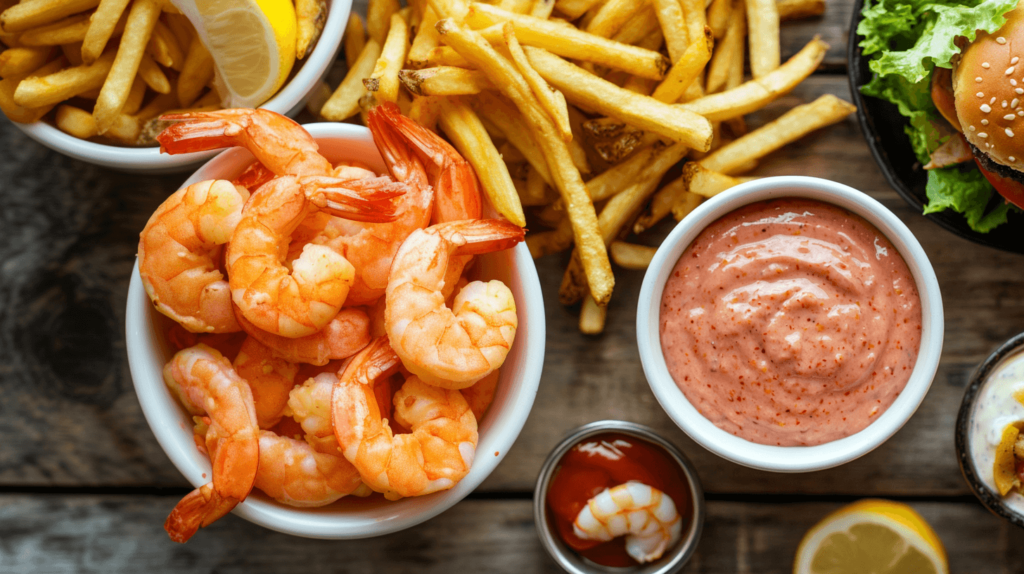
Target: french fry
point(76, 122)
point(444, 81)
point(136, 95)
point(165, 49)
point(54, 88)
point(517, 6)
point(23, 114)
point(798, 9)
point(763, 24)
point(425, 111)
point(507, 119)
point(154, 77)
point(730, 52)
point(591, 92)
point(549, 242)
point(696, 18)
point(550, 99)
point(567, 41)
point(719, 14)
point(536, 191)
point(454, 9)
point(686, 70)
point(542, 8)
point(355, 39)
point(621, 175)
point(141, 20)
point(617, 212)
point(180, 28)
point(789, 127)
point(378, 18)
point(614, 140)
point(310, 16)
point(661, 204)
point(567, 178)
point(592, 317)
point(640, 26)
point(574, 8)
point(23, 60)
point(446, 56)
point(631, 255)
point(757, 93)
point(684, 205)
point(28, 15)
point(383, 82)
point(611, 16)
point(706, 183)
point(465, 131)
point(673, 26)
point(196, 71)
point(101, 28)
point(70, 29)
point(344, 103)
point(426, 40)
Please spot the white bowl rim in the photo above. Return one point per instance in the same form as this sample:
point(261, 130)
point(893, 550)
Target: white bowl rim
point(154, 398)
point(284, 101)
point(792, 458)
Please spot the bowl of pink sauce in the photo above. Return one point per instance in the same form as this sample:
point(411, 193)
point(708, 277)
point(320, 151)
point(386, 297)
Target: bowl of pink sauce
point(790, 324)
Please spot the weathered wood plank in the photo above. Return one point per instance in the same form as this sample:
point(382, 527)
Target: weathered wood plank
point(70, 415)
point(111, 534)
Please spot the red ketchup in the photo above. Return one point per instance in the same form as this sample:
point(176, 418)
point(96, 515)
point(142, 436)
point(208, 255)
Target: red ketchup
point(603, 461)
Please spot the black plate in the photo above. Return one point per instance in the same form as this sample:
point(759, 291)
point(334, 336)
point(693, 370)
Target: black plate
point(883, 126)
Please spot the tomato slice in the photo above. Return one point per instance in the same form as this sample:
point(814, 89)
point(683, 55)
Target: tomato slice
point(1010, 189)
point(942, 96)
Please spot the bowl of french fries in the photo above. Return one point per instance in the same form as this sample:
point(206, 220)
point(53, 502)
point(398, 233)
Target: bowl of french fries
point(90, 78)
point(578, 115)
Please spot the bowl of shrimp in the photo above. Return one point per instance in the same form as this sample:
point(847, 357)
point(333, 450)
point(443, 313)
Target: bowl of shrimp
point(323, 350)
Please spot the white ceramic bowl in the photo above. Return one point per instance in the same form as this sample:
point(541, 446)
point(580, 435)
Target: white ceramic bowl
point(793, 458)
point(289, 101)
point(149, 350)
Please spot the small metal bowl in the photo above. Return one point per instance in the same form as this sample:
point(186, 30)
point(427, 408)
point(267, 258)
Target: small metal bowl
point(985, 494)
point(673, 560)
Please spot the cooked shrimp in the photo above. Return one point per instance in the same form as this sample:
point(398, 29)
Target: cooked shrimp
point(450, 347)
point(310, 405)
point(293, 472)
point(481, 394)
point(645, 514)
point(434, 456)
point(280, 144)
point(207, 385)
point(301, 301)
point(270, 379)
point(178, 253)
point(254, 176)
point(344, 336)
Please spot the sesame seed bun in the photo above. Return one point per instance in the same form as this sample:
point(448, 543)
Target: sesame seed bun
point(988, 84)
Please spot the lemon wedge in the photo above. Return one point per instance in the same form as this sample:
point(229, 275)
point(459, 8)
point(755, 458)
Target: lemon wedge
point(252, 43)
point(871, 537)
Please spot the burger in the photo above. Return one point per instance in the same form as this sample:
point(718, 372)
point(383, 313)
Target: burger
point(955, 69)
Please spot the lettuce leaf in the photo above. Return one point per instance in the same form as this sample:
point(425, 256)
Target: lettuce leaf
point(965, 190)
point(908, 39)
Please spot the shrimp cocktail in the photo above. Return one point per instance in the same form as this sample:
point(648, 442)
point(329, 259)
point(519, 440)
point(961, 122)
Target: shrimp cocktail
point(330, 339)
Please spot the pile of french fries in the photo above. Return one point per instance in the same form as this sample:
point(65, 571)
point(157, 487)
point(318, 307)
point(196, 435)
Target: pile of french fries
point(118, 64)
point(577, 109)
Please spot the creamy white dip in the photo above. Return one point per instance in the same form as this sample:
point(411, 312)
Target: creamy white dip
point(994, 408)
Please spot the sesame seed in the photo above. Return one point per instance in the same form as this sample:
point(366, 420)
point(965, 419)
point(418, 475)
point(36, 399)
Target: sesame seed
point(1013, 82)
point(1019, 91)
point(982, 135)
point(993, 100)
point(1014, 60)
point(1009, 132)
point(1013, 158)
point(1000, 40)
point(986, 108)
point(980, 94)
point(972, 128)
point(978, 79)
point(1004, 103)
point(1009, 71)
point(988, 145)
point(1009, 117)
point(985, 65)
point(1014, 103)
point(984, 122)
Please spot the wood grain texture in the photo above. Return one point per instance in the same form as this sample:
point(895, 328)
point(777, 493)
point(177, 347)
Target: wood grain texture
point(113, 534)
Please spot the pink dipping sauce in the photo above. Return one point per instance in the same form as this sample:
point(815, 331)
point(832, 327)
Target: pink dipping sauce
point(791, 322)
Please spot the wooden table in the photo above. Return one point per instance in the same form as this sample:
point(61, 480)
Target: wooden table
point(85, 487)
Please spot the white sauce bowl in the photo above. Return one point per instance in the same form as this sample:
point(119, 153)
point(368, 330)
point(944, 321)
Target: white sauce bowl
point(788, 458)
point(289, 100)
point(350, 517)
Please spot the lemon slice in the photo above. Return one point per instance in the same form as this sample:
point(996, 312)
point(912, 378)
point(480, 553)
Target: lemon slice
point(871, 537)
point(252, 43)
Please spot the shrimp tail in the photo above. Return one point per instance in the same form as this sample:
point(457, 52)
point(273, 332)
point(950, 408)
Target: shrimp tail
point(368, 200)
point(400, 159)
point(254, 176)
point(477, 236)
point(200, 508)
point(377, 360)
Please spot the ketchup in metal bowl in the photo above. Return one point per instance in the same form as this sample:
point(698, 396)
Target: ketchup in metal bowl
point(604, 461)
point(791, 322)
